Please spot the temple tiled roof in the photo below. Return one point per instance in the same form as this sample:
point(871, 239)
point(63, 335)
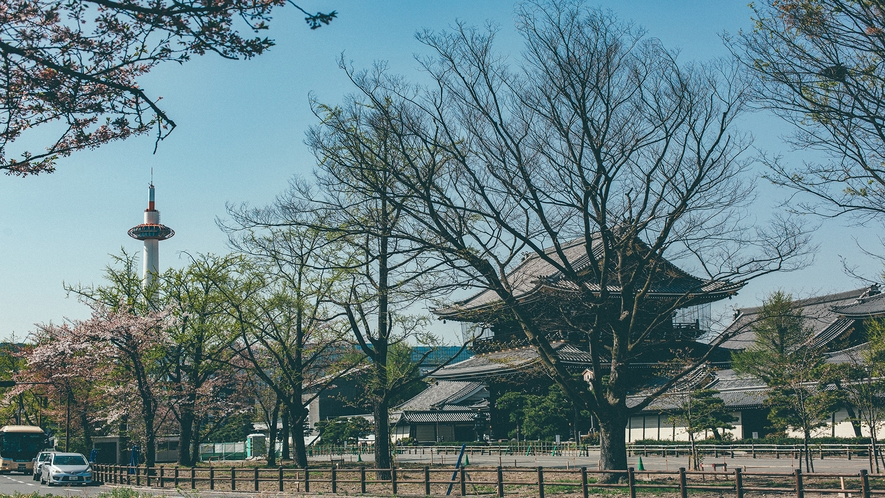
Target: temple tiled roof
point(821, 313)
point(510, 361)
point(867, 307)
point(446, 395)
point(536, 276)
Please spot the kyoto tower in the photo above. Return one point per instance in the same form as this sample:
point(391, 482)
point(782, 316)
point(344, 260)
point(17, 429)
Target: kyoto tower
point(151, 232)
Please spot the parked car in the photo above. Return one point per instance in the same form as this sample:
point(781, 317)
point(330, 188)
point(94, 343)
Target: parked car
point(66, 468)
point(39, 460)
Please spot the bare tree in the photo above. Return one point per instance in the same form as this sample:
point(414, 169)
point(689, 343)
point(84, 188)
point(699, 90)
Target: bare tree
point(601, 156)
point(818, 66)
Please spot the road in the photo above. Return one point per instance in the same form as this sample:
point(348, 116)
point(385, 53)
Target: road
point(10, 484)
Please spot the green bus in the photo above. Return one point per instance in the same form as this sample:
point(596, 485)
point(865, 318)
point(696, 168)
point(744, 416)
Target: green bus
point(19, 445)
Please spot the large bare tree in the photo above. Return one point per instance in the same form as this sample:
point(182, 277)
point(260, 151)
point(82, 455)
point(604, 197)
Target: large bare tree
point(597, 137)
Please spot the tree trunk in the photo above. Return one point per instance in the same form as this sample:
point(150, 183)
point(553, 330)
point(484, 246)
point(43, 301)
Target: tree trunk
point(612, 446)
point(382, 438)
point(298, 435)
point(87, 430)
point(185, 431)
point(150, 441)
point(272, 435)
point(286, 432)
point(809, 465)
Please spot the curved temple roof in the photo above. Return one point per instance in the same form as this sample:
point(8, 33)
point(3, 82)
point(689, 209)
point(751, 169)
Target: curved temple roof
point(536, 276)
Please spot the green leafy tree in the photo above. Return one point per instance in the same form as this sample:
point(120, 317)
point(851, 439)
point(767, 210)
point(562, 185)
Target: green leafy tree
point(201, 379)
point(538, 416)
point(343, 430)
point(288, 335)
point(784, 356)
point(864, 384)
point(700, 410)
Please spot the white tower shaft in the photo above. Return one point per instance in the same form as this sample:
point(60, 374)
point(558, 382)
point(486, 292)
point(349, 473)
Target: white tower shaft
point(151, 262)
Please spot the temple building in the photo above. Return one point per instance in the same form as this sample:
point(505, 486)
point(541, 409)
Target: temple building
point(504, 360)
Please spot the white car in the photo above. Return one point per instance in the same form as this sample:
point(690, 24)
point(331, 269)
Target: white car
point(41, 458)
point(66, 468)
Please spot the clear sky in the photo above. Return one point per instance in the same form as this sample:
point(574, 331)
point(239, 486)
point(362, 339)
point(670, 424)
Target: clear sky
point(240, 139)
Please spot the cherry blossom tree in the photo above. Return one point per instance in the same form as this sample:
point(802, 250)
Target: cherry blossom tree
point(121, 348)
point(75, 65)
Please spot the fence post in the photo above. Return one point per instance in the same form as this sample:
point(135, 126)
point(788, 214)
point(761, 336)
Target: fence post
point(176, 476)
point(585, 490)
point(334, 479)
point(211, 478)
point(683, 489)
point(138, 475)
point(540, 482)
point(256, 478)
point(162, 468)
point(500, 482)
point(864, 484)
point(800, 492)
point(363, 479)
point(631, 482)
point(461, 477)
point(233, 479)
point(393, 485)
point(306, 480)
point(280, 478)
point(426, 480)
point(147, 475)
point(738, 483)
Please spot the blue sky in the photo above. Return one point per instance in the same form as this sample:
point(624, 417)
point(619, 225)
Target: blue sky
point(240, 139)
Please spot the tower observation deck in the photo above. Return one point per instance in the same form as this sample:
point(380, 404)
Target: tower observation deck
point(151, 232)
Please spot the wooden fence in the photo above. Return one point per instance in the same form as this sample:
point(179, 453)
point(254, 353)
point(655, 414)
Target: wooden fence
point(571, 449)
point(494, 481)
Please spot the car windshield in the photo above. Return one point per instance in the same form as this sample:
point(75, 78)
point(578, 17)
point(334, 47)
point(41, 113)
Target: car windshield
point(69, 460)
point(45, 456)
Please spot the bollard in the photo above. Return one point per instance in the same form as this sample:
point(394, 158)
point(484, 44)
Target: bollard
point(683, 489)
point(585, 489)
point(738, 483)
point(540, 482)
point(426, 481)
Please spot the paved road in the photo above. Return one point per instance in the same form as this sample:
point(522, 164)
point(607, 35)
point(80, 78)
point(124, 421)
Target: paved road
point(24, 484)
